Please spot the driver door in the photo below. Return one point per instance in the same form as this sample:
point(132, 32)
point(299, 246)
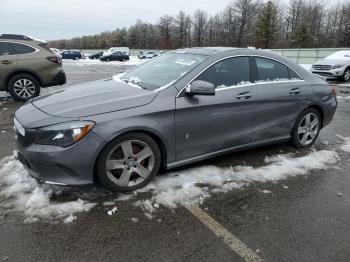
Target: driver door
point(207, 124)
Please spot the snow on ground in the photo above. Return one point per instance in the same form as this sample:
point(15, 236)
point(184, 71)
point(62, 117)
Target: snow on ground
point(343, 97)
point(134, 60)
point(20, 192)
point(192, 186)
point(346, 146)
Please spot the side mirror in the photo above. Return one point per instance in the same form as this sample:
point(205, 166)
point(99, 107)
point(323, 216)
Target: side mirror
point(201, 88)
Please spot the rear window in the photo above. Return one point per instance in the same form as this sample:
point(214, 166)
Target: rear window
point(19, 49)
point(3, 49)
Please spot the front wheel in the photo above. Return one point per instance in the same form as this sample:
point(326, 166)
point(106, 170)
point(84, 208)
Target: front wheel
point(346, 75)
point(128, 162)
point(23, 87)
point(306, 129)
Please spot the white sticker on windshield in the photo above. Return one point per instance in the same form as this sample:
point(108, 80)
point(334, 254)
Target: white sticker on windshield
point(185, 62)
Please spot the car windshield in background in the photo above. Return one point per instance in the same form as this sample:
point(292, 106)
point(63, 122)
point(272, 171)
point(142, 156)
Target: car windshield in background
point(163, 70)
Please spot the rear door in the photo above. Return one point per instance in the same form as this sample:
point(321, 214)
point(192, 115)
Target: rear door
point(8, 61)
point(205, 124)
point(281, 93)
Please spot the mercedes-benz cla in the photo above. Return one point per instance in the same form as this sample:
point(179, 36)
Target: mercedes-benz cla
point(181, 107)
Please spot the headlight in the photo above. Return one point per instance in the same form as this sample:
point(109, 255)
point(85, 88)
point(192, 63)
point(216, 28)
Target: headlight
point(64, 134)
point(337, 66)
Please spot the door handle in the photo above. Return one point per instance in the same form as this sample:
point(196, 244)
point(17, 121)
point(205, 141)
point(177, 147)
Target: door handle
point(6, 62)
point(244, 95)
point(294, 91)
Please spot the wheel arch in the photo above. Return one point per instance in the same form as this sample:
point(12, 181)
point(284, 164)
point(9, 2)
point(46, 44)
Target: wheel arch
point(319, 109)
point(150, 133)
point(18, 72)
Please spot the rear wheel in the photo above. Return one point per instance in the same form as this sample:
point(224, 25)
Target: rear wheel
point(23, 87)
point(128, 162)
point(346, 75)
point(306, 129)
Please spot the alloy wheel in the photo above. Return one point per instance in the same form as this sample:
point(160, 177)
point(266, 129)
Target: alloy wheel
point(308, 129)
point(24, 88)
point(130, 163)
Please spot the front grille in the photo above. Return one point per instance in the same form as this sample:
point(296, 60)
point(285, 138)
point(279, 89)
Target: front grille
point(323, 73)
point(322, 67)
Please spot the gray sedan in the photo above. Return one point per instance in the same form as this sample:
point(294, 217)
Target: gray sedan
point(179, 108)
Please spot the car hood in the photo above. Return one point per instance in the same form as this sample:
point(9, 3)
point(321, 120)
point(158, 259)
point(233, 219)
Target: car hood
point(93, 98)
point(331, 62)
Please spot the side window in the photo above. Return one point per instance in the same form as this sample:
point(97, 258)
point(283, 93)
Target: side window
point(21, 49)
point(270, 70)
point(3, 49)
point(228, 72)
point(293, 75)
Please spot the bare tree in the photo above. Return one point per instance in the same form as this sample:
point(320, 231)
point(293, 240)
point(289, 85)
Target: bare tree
point(199, 24)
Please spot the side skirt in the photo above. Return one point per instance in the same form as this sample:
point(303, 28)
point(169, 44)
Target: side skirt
point(226, 151)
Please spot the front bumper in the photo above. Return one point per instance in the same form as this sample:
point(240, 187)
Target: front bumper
point(329, 74)
point(73, 165)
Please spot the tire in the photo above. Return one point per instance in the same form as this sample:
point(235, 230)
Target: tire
point(346, 75)
point(119, 171)
point(307, 125)
point(23, 87)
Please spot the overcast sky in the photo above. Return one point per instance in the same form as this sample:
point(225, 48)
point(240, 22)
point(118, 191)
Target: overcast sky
point(49, 19)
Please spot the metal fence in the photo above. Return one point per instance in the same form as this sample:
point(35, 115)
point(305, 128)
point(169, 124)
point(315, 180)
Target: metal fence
point(299, 55)
point(307, 55)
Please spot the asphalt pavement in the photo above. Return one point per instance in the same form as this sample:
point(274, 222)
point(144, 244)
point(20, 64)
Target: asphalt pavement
point(302, 218)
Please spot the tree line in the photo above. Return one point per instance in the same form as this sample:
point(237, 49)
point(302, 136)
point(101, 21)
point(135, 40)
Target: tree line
point(242, 23)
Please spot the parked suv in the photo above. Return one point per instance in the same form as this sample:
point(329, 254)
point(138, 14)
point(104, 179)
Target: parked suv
point(26, 65)
point(335, 66)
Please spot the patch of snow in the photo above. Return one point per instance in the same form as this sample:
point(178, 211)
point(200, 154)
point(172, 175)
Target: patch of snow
point(134, 219)
point(69, 219)
point(112, 211)
point(285, 187)
point(343, 97)
point(123, 197)
point(346, 146)
point(108, 203)
point(148, 215)
point(193, 186)
point(21, 193)
point(266, 191)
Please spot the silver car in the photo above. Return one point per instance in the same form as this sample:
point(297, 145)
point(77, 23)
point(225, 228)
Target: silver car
point(335, 66)
point(179, 108)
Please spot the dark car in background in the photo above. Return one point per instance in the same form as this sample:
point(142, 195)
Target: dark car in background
point(181, 107)
point(26, 65)
point(115, 56)
point(96, 55)
point(72, 54)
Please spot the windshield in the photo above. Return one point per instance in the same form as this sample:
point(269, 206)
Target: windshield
point(344, 55)
point(163, 70)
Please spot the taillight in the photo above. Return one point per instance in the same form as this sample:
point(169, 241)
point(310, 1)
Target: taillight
point(333, 89)
point(54, 59)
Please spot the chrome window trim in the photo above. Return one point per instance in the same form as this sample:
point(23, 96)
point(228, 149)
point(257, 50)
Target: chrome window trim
point(35, 49)
point(230, 87)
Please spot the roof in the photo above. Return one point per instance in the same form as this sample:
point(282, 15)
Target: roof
point(206, 50)
point(14, 37)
